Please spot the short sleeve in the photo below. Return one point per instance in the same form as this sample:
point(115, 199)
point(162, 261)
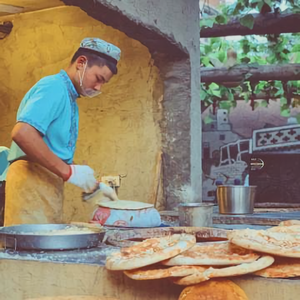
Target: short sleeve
point(42, 105)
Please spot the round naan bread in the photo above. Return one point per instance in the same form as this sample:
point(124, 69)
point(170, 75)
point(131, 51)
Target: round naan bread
point(281, 268)
point(276, 243)
point(289, 223)
point(213, 254)
point(293, 229)
point(242, 269)
point(149, 252)
point(157, 272)
point(214, 289)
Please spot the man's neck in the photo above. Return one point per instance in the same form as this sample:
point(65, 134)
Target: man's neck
point(72, 73)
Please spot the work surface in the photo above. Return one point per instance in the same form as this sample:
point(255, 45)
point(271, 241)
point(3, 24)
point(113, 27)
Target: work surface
point(86, 256)
point(30, 274)
point(260, 217)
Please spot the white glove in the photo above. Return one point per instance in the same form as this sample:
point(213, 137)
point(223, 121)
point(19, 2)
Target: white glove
point(108, 191)
point(83, 177)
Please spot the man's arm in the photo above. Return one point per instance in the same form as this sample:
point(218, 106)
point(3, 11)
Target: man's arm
point(33, 145)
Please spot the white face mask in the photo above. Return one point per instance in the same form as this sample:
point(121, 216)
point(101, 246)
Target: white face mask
point(87, 92)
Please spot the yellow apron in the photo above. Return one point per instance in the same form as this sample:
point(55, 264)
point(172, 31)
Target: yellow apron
point(33, 195)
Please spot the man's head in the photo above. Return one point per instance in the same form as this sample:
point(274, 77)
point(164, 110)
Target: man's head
point(95, 63)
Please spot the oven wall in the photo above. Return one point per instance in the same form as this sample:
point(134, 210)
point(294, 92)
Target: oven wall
point(119, 132)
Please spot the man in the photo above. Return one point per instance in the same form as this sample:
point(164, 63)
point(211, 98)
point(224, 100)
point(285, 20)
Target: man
point(45, 135)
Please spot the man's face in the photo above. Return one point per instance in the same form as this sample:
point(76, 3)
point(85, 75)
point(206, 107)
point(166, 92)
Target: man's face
point(92, 78)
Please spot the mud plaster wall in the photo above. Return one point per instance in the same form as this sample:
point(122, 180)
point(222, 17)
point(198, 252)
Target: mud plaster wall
point(244, 120)
point(170, 29)
point(119, 131)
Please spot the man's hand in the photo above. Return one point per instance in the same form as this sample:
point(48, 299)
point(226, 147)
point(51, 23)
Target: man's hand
point(108, 191)
point(83, 177)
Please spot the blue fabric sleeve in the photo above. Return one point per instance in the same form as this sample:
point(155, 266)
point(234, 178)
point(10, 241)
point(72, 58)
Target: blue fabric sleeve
point(43, 104)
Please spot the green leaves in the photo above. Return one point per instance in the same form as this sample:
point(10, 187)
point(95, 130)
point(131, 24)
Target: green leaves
point(208, 119)
point(221, 19)
point(263, 103)
point(251, 50)
point(207, 22)
point(214, 90)
point(247, 21)
point(285, 112)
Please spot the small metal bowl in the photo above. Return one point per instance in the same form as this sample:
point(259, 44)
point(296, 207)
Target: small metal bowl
point(236, 199)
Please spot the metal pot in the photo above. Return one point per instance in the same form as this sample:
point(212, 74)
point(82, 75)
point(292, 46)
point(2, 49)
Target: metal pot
point(195, 214)
point(236, 199)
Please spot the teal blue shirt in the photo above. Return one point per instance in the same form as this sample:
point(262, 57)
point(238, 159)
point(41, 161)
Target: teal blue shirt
point(50, 107)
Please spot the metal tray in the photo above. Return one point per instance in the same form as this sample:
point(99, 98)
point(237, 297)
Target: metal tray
point(28, 237)
point(121, 238)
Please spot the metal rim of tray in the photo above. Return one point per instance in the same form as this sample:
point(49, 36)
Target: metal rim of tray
point(27, 237)
point(130, 237)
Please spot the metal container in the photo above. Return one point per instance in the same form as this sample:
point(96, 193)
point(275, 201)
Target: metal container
point(195, 214)
point(236, 199)
point(35, 237)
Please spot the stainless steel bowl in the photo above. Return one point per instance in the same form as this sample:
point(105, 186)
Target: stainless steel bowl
point(236, 199)
point(195, 214)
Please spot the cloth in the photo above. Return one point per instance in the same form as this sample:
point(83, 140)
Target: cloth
point(148, 217)
point(4, 151)
point(50, 107)
point(102, 47)
point(34, 195)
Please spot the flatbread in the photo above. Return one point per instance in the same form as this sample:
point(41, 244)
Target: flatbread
point(125, 204)
point(149, 252)
point(293, 229)
point(157, 272)
point(276, 243)
point(213, 254)
point(247, 268)
point(242, 269)
point(214, 289)
point(282, 268)
point(289, 223)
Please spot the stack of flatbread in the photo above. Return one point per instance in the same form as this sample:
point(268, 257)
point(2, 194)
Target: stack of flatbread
point(179, 258)
point(150, 252)
point(282, 242)
point(269, 253)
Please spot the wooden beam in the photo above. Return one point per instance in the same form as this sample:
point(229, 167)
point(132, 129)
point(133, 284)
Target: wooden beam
point(270, 23)
point(239, 73)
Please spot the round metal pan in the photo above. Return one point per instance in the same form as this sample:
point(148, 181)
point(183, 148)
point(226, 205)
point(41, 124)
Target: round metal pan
point(33, 237)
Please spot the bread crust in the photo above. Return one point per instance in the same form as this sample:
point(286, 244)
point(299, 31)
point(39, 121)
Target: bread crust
point(149, 252)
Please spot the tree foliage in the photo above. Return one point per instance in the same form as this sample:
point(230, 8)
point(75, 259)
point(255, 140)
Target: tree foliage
point(254, 50)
